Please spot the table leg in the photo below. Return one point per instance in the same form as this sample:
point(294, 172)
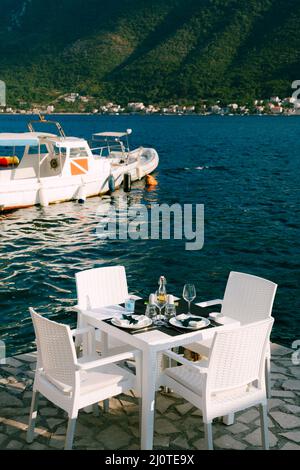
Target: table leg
point(148, 399)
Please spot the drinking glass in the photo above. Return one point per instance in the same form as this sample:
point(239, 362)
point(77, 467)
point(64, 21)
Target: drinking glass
point(170, 312)
point(189, 294)
point(160, 302)
point(129, 305)
point(151, 312)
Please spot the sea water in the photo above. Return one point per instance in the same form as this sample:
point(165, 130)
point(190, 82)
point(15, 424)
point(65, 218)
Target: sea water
point(246, 172)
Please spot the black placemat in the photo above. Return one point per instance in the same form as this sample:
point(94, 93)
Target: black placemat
point(181, 307)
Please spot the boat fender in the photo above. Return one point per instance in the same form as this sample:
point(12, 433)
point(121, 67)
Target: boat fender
point(81, 195)
point(139, 172)
point(111, 184)
point(44, 202)
point(127, 182)
point(151, 181)
point(7, 161)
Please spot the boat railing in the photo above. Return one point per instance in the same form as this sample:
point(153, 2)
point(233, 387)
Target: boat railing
point(42, 120)
point(109, 149)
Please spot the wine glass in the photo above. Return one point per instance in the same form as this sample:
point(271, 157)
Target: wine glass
point(189, 294)
point(160, 301)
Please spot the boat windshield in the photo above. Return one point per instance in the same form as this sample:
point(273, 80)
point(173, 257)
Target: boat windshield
point(110, 144)
point(78, 152)
point(59, 151)
point(35, 150)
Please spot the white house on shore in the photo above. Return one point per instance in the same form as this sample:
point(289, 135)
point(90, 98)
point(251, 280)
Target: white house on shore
point(136, 107)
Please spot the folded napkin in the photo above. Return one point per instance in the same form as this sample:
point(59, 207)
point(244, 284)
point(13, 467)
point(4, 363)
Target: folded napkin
point(188, 321)
point(131, 320)
point(103, 313)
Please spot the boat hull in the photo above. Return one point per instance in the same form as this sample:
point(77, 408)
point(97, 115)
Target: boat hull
point(21, 193)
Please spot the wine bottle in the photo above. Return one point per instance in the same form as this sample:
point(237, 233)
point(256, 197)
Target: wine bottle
point(162, 289)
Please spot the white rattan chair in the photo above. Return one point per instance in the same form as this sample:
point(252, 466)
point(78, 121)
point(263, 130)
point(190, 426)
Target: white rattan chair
point(247, 299)
point(71, 383)
point(231, 380)
point(101, 287)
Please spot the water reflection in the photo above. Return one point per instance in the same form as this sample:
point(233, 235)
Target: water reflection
point(42, 248)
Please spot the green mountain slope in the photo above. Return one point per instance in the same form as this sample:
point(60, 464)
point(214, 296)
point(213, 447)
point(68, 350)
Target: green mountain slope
point(153, 51)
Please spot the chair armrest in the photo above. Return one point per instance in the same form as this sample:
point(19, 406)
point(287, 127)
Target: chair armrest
point(135, 297)
point(176, 357)
point(82, 331)
point(210, 303)
point(107, 360)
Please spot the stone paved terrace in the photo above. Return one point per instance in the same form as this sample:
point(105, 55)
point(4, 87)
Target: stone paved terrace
point(178, 424)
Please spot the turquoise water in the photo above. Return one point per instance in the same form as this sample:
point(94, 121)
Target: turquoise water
point(244, 169)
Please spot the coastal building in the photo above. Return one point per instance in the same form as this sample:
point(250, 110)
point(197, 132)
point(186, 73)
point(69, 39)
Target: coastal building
point(216, 109)
point(50, 109)
point(233, 107)
point(290, 100)
point(260, 109)
point(136, 107)
point(275, 108)
point(275, 99)
point(151, 109)
point(191, 109)
point(71, 98)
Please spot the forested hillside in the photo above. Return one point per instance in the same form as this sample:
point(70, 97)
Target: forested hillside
point(154, 51)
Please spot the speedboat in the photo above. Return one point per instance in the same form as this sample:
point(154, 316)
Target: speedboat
point(55, 168)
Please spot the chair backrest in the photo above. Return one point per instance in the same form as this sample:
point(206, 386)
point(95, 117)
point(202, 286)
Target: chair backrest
point(237, 356)
point(101, 287)
point(56, 351)
point(248, 298)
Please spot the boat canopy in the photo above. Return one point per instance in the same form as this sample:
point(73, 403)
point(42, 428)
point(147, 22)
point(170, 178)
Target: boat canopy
point(117, 135)
point(114, 141)
point(22, 139)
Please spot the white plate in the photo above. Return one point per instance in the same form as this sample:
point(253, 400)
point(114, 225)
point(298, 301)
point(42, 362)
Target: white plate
point(137, 326)
point(177, 323)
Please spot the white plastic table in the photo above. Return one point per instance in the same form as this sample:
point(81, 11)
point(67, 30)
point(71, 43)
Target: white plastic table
point(151, 343)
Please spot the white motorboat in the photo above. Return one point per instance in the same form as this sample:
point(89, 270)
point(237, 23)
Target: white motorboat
point(56, 168)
